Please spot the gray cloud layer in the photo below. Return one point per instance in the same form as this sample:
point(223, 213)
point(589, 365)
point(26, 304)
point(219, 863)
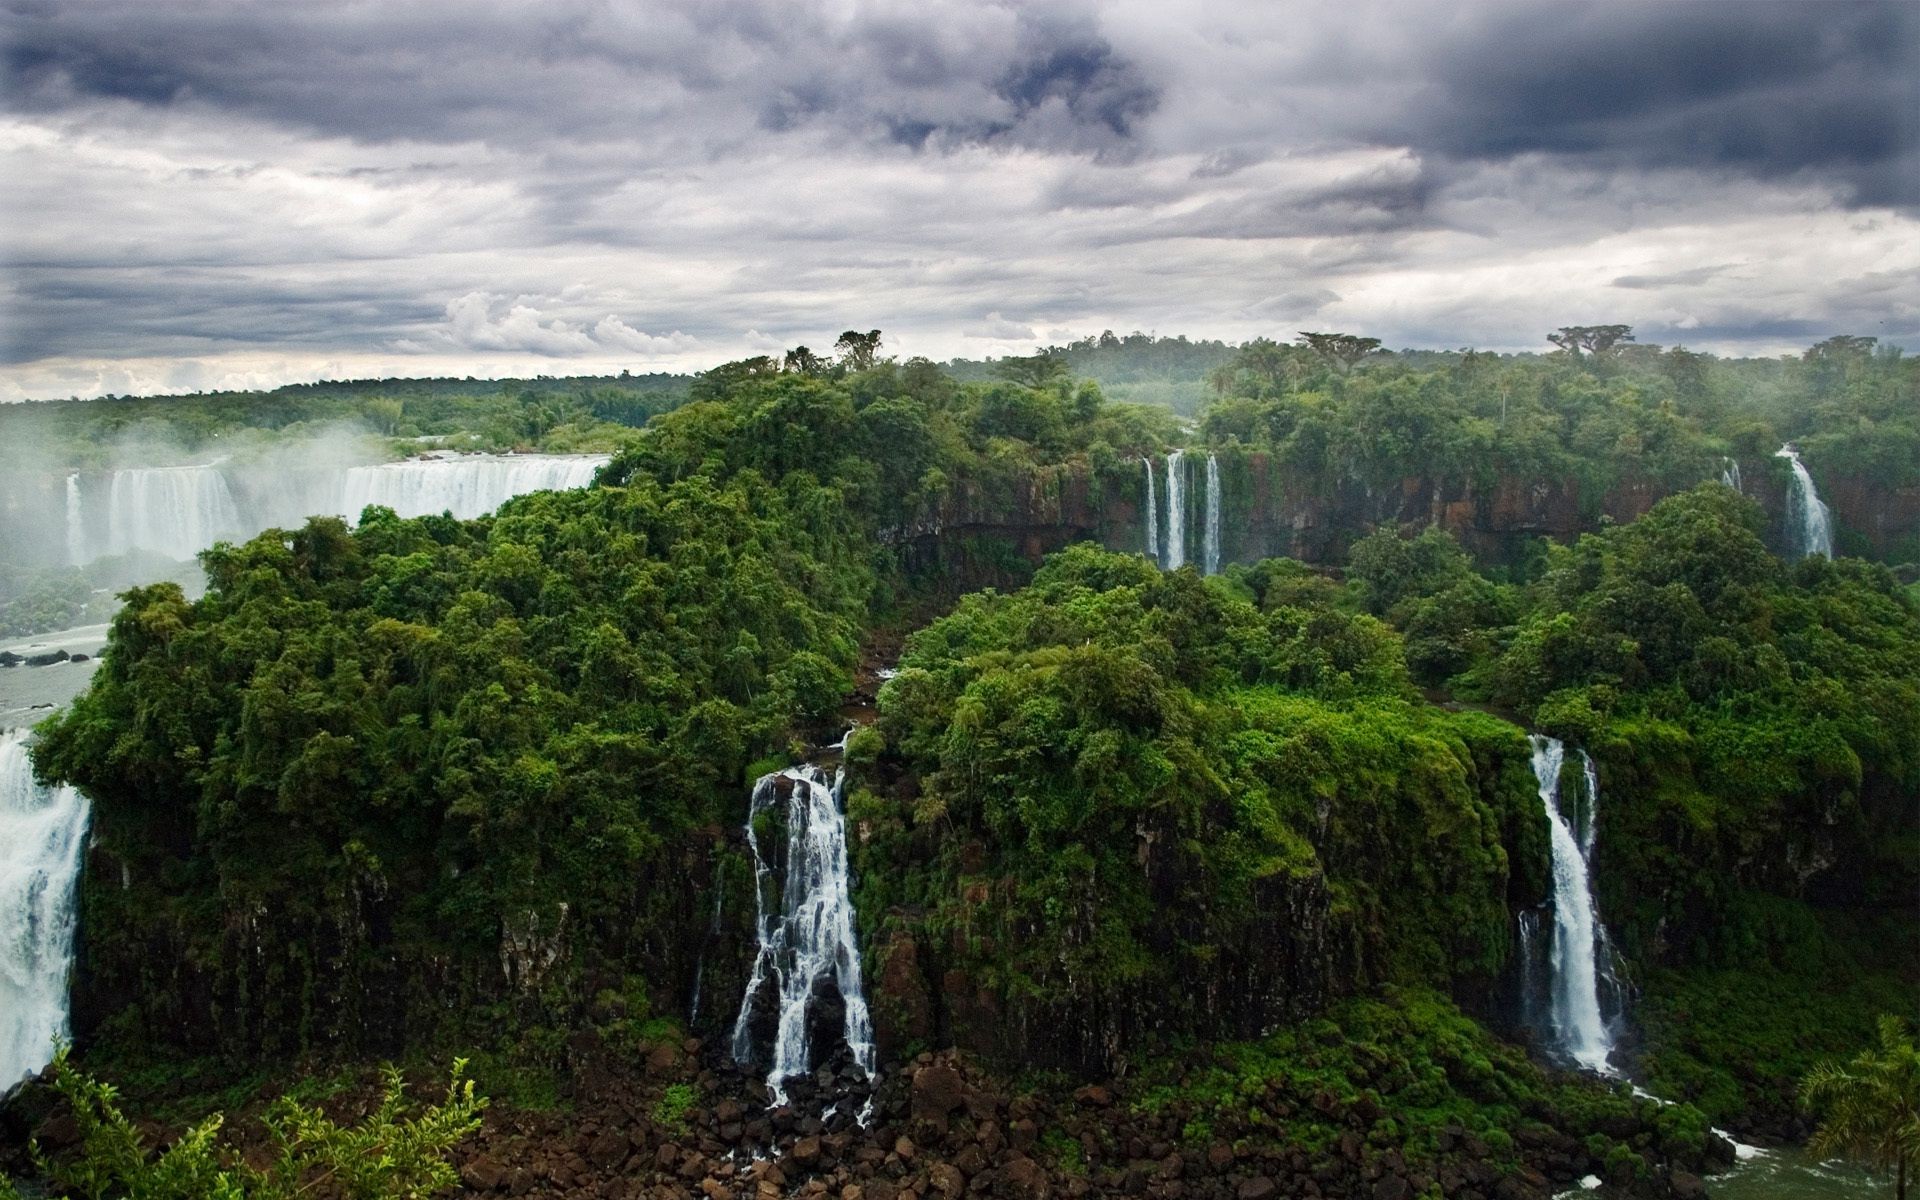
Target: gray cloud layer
point(240, 192)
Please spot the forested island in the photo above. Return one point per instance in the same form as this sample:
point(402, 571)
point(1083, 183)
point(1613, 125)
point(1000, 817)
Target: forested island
point(1144, 767)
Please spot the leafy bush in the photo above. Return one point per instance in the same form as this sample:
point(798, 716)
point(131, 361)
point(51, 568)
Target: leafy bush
point(397, 1152)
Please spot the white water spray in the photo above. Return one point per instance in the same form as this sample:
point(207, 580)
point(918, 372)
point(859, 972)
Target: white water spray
point(1153, 514)
point(173, 511)
point(1176, 512)
point(1808, 517)
point(41, 835)
point(810, 938)
point(177, 512)
point(1730, 475)
point(1210, 546)
point(1579, 941)
point(76, 523)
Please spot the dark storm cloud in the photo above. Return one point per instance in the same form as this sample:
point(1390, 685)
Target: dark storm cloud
point(679, 181)
point(1767, 89)
point(518, 74)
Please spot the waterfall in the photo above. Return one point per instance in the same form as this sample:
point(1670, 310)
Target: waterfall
point(1153, 515)
point(41, 832)
point(1730, 475)
point(177, 512)
point(173, 511)
point(76, 524)
point(1579, 940)
point(1176, 512)
point(1808, 517)
point(809, 942)
point(1210, 547)
point(467, 487)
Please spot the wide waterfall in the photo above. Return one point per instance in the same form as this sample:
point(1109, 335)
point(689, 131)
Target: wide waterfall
point(177, 512)
point(1210, 546)
point(1153, 515)
point(807, 944)
point(1176, 512)
point(1808, 518)
point(1580, 949)
point(41, 835)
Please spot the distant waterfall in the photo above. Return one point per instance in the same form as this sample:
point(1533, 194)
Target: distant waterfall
point(1579, 944)
point(1730, 475)
point(467, 487)
point(1176, 512)
point(1153, 514)
point(173, 511)
point(177, 512)
point(1210, 547)
point(808, 943)
point(76, 523)
point(1808, 518)
point(41, 834)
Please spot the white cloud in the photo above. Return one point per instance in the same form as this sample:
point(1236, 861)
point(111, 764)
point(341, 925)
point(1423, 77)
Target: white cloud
point(999, 329)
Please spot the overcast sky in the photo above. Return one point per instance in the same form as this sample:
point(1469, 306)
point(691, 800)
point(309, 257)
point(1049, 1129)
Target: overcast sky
point(198, 195)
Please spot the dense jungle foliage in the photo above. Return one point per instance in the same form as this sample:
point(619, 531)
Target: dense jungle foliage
point(1140, 805)
point(433, 781)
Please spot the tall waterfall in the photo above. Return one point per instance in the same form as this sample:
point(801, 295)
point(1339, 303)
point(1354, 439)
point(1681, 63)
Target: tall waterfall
point(41, 832)
point(1210, 547)
point(179, 511)
point(1579, 944)
point(1808, 518)
point(1176, 512)
point(1153, 514)
point(76, 523)
point(173, 511)
point(1730, 475)
point(808, 943)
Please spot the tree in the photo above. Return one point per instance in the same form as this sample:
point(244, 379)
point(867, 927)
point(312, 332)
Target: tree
point(1340, 350)
point(859, 351)
point(1870, 1108)
point(1034, 371)
point(802, 361)
point(1597, 340)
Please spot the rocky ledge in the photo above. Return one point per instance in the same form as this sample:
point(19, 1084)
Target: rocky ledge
point(943, 1129)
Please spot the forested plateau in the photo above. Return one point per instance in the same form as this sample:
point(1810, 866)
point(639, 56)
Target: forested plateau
point(1195, 790)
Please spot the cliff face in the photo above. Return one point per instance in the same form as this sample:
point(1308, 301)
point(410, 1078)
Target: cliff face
point(1268, 511)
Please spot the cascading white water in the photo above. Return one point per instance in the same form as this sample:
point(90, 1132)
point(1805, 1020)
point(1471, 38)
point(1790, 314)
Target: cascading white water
point(1210, 546)
point(811, 936)
point(467, 486)
point(179, 511)
point(1579, 941)
point(76, 523)
point(1808, 517)
point(41, 833)
point(172, 511)
point(1176, 512)
point(1153, 515)
point(1730, 475)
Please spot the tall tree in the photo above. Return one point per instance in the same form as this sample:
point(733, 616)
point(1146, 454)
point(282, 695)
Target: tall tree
point(1869, 1109)
point(1597, 340)
point(802, 361)
point(859, 351)
point(1340, 350)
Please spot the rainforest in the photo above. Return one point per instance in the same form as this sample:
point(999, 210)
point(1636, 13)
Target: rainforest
point(1144, 767)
